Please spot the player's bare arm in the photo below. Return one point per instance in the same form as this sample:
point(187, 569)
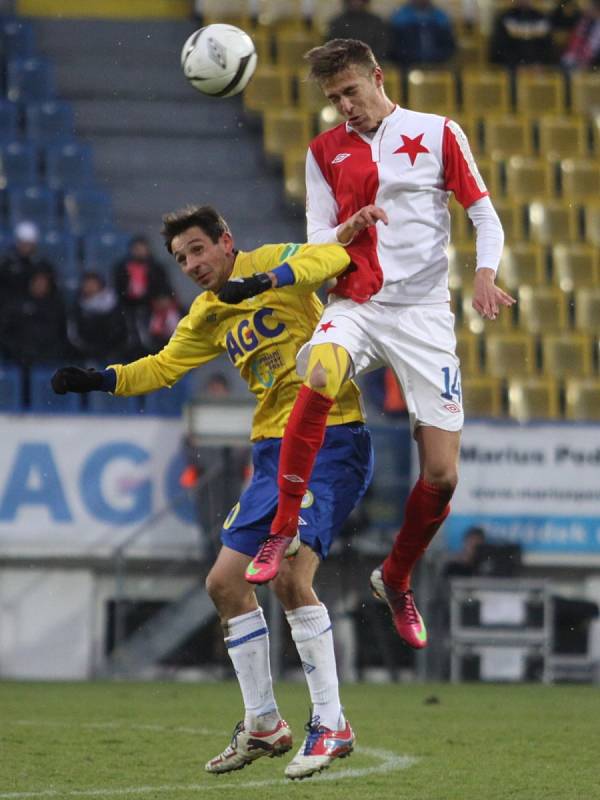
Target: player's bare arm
point(363, 218)
point(487, 297)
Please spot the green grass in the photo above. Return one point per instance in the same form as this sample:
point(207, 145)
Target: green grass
point(133, 740)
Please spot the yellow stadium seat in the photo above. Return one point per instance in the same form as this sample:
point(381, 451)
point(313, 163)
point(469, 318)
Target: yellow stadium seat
point(461, 264)
point(310, 94)
point(270, 88)
point(285, 129)
point(562, 137)
point(482, 396)
point(587, 310)
point(522, 264)
point(580, 178)
point(528, 177)
point(291, 45)
point(263, 41)
point(328, 118)
point(471, 51)
point(591, 224)
point(468, 351)
point(294, 175)
point(431, 91)
point(512, 218)
point(470, 127)
point(472, 320)
point(553, 221)
point(533, 398)
point(540, 92)
point(489, 169)
point(233, 12)
point(542, 309)
point(509, 353)
point(585, 91)
point(281, 13)
point(575, 266)
point(485, 91)
point(392, 81)
point(506, 135)
point(567, 354)
point(582, 397)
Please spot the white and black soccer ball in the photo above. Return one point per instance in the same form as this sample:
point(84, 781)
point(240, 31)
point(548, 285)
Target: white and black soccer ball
point(219, 60)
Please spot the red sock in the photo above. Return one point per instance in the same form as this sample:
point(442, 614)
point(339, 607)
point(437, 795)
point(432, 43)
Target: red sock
point(302, 440)
point(426, 508)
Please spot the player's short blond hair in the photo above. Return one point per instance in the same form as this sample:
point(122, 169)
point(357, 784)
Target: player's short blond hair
point(338, 55)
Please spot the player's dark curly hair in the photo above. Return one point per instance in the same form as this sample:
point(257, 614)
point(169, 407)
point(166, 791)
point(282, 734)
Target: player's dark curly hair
point(337, 55)
point(206, 218)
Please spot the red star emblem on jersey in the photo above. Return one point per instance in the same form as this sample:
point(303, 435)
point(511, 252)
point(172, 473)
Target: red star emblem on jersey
point(325, 327)
point(412, 147)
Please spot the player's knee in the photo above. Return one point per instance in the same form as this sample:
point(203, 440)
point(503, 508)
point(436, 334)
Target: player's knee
point(216, 588)
point(291, 589)
point(443, 476)
point(317, 379)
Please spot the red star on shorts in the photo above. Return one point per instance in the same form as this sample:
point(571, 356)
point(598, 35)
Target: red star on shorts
point(325, 327)
point(412, 147)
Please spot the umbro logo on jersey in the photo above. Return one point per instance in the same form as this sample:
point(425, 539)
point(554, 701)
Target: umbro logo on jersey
point(341, 157)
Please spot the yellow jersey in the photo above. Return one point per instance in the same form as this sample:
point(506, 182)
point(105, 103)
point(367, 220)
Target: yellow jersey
point(261, 336)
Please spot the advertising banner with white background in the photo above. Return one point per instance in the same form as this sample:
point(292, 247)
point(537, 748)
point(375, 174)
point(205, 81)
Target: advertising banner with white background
point(79, 485)
point(537, 485)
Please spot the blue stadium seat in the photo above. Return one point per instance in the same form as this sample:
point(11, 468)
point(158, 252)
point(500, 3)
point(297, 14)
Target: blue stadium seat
point(42, 399)
point(11, 389)
point(102, 249)
point(9, 120)
point(49, 120)
point(19, 163)
point(6, 239)
point(104, 403)
point(88, 210)
point(60, 248)
point(29, 80)
point(68, 165)
point(37, 203)
point(169, 402)
point(16, 38)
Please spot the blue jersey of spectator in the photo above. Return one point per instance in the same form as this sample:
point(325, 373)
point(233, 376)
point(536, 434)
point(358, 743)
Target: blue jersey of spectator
point(421, 34)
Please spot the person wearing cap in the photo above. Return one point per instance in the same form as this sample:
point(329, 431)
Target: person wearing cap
point(20, 263)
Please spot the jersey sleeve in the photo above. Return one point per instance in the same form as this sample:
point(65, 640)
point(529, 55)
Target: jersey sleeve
point(321, 206)
point(461, 175)
point(313, 264)
point(188, 347)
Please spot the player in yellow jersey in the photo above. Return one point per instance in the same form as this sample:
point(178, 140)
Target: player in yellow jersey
point(262, 335)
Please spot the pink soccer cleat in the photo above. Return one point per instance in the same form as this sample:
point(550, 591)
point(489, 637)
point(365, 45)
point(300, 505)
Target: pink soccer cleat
point(265, 564)
point(407, 620)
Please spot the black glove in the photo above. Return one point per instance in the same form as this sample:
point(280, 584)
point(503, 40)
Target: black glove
point(238, 289)
point(75, 379)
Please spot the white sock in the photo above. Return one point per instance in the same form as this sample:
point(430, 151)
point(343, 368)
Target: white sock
point(311, 632)
point(248, 647)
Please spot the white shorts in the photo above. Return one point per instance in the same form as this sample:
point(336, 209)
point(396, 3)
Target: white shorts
point(417, 342)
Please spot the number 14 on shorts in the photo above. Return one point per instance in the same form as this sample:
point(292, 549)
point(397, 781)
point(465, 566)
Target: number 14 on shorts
point(452, 390)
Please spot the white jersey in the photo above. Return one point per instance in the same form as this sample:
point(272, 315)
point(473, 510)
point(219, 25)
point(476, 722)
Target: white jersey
point(408, 168)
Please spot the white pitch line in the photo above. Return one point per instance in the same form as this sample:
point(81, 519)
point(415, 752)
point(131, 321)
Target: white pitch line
point(390, 762)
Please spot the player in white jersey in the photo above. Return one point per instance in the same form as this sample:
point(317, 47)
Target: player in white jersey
point(379, 184)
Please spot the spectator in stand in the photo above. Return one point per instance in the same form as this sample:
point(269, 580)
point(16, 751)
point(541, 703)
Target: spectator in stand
point(522, 36)
point(139, 278)
point(96, 327)
point(357, 22)
point(563, 19)
point(583, 49)
point(20, 263)
point(165, 314)
point(33, 328)
point(217, 387)
point(421, 33)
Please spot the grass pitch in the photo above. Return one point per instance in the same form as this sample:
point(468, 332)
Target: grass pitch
point(414, 742)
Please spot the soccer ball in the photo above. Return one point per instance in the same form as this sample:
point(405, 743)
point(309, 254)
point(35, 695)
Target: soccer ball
point(219, 60)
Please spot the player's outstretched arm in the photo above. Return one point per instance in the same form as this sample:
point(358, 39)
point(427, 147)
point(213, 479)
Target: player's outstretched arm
point(82, 381)
point(238, 289)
